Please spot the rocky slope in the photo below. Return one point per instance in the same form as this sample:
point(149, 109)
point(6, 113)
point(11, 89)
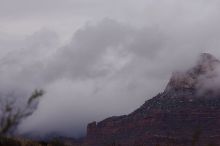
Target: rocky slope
point(187, 110)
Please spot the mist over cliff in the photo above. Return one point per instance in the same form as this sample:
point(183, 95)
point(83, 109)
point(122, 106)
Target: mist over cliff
point(105, 66)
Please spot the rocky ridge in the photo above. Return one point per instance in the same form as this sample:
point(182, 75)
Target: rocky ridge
point(171, 117)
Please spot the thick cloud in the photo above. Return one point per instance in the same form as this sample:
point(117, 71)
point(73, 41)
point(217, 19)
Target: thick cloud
point(110, 66)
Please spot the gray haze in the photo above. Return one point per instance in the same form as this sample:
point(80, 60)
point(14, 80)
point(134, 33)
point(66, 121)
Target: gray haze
point(98, 58)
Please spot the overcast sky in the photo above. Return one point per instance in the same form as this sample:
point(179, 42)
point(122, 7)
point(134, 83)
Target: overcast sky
point(98, 58)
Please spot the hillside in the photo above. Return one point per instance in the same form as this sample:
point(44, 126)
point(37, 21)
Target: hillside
point(187, 110)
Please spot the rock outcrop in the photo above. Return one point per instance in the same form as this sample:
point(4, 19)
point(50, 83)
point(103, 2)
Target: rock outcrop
point(178, 116)
point(206, 67)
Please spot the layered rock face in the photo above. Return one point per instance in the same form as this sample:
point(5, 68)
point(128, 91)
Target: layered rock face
point(178, 116)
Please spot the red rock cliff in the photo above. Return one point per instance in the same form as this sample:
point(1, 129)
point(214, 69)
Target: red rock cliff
point(171, 117)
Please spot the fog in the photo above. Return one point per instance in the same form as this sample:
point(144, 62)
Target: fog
point(98, 59)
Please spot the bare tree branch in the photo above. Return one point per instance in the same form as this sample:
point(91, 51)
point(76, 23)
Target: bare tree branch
point(11, 116)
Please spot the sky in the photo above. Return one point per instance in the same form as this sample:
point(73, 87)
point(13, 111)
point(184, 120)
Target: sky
point(98, 58)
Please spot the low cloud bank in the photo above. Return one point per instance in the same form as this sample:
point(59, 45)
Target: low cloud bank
point(107, 68)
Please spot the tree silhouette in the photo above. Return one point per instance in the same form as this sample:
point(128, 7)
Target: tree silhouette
point(11, 114)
